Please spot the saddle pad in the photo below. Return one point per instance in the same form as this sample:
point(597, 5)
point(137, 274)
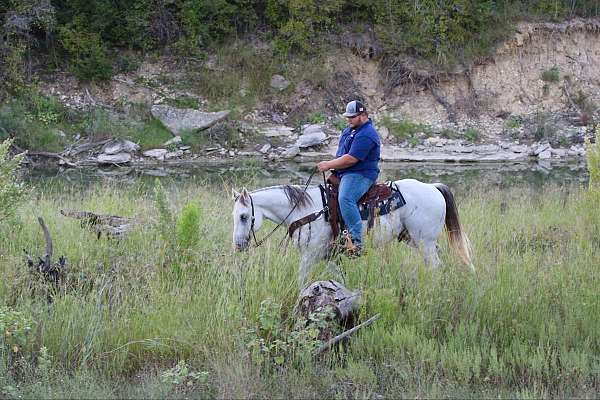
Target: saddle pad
point(383, 207)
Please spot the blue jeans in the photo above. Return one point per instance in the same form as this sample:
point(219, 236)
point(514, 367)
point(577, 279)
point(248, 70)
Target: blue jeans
point(352, 187)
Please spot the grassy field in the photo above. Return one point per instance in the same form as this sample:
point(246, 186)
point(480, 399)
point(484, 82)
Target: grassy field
point(171, 311)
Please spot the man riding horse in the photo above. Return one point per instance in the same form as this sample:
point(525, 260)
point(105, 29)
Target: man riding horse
point(356, 164)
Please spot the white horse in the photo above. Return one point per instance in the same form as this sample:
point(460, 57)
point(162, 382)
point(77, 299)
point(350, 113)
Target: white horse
point(420, 221)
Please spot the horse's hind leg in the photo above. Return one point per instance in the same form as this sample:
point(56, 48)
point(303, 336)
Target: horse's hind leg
point(430, 253)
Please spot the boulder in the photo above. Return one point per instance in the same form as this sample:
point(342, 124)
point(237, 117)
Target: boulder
point(544, 155)
point(265, 148)
point(120, 146)
point(278, 82)
point(276, 131)
point(119, 158)
point(291, 152)
point(175, 140)
point(155, 153)
point(312, 135)
point(173, 154)
point(178, 120)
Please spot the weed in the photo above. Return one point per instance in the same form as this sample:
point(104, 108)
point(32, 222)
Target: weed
point(12, 191)
point(188, 227)
point(472, 134)
point(514, 122)
point(316, 118)
point(405, 129)
point(551, 75)
point(593, 161)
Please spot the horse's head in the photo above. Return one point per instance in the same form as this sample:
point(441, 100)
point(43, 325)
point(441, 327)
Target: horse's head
point(246, 217)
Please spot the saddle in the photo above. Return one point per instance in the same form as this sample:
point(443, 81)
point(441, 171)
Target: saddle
point(377, 194)
point(380, 199)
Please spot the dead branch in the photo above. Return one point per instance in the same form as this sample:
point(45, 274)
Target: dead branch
point(332, 342)
point(48, 255)
point(110, 225)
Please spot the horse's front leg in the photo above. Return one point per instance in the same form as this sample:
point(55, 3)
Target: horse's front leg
point(313, 242)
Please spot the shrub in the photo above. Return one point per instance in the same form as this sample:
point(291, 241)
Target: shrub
point(11, 191)
point(405, 129)
point(551, 75)
point(188, 227)
point(593, 161)
point(88, 58)
point(16, 329)
point(472, 134)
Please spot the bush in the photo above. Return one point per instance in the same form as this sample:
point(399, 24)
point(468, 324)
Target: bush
point(11, 191)
point(472, 134)
point(551, 75)
point(188, 227)
point(593, 161)
point(88, 58)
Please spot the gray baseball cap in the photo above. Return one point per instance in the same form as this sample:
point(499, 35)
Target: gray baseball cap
point(354, 108)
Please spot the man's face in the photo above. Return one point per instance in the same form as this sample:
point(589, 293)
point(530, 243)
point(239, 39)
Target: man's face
point(355, 121)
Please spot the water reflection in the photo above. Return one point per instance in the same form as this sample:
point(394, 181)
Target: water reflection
point(460, 177)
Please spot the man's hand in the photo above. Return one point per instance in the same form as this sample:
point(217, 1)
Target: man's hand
point(323, 166)
point(342, 162)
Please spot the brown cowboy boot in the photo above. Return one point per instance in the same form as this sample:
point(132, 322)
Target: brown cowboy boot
point(351, 250)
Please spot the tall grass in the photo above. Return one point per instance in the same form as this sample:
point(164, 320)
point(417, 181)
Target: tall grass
point(524, 325)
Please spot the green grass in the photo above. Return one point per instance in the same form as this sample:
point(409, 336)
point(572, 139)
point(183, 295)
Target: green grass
point(551, 75)
point(525, 325)
point(405, 129)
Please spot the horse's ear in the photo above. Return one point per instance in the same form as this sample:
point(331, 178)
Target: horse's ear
point(235, 194)
point(245, 193)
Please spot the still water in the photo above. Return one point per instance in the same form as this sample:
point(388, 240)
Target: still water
point(461, 178)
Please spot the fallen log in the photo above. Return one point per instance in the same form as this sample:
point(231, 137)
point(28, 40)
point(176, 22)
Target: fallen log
point(323, 294)
point(110, 225)
point(332, 342)
point(49, 271)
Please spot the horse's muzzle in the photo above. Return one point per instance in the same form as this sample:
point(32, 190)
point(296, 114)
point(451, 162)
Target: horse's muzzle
point(241, 246)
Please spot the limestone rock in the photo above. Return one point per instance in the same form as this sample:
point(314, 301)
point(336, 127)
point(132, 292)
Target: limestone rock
point(119, 158)
point(155, 153)
point(178, 120)
point(278, 82)
point(120, 146)
point(312, 135)
point(276, 131)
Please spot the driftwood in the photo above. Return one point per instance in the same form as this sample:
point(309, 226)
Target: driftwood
point(110, 225)
point(51, 272)
point(46, 154)
point(344, 303)
point(322, 294)
point(332, 342)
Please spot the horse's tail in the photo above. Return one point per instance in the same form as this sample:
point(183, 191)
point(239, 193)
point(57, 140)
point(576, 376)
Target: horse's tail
point(458, 240)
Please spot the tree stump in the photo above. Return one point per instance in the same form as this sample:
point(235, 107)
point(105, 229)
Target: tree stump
point(344, 303)
point(322, 294)
point(110, 225)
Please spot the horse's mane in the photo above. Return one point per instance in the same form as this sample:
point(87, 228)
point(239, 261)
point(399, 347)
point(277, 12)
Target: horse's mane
point(295, 195)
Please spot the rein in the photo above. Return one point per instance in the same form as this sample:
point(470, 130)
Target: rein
point(260, 242)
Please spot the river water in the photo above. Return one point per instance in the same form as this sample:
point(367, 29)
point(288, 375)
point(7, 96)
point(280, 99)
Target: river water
point(462, 178)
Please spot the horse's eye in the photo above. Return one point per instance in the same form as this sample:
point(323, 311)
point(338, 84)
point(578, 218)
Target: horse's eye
point(244, 217)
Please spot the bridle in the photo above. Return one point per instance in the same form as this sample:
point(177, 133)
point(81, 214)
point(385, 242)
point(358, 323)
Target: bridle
point(260, 242)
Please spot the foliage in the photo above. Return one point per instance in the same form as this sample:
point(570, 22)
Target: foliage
point(15, 340)
point(405, 129)
point(182, 375)
point(88, 57)
point(11, 190)
point(472, 134)
point(21, 21)
point(299, 23)
point(551, 75)
point(593, 161)
point(271, 344)
point(188, 227)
